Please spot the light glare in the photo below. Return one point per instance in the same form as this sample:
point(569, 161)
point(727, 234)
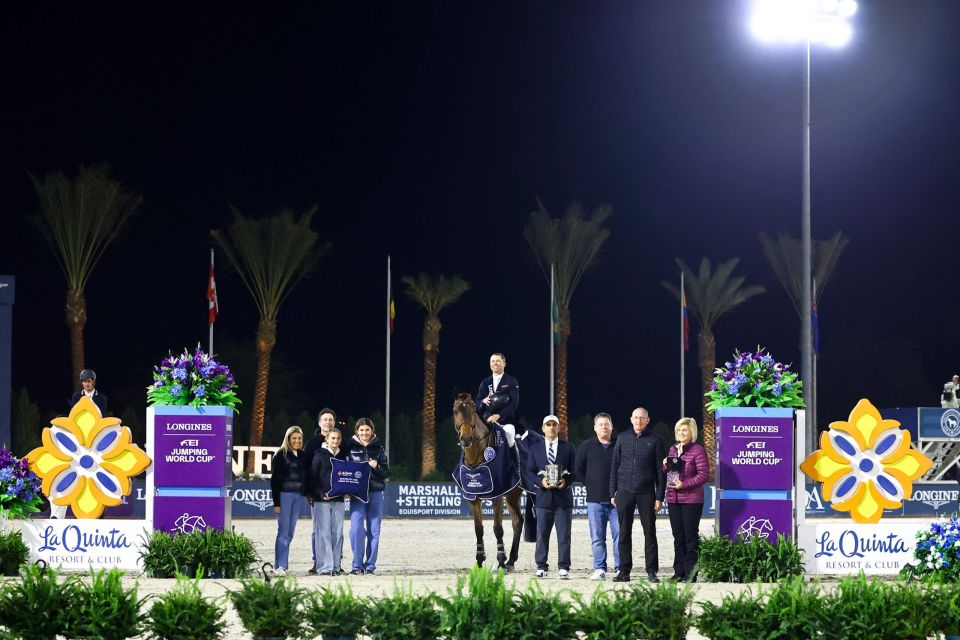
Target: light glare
point(819, 21)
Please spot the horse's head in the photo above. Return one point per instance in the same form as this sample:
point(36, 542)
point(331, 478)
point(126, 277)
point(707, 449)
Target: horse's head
point(469, 427)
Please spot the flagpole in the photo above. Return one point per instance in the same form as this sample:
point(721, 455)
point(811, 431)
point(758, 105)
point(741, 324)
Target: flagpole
point(386, 413)
point(210, 351)
point(552, 344)
point(811, 392)
point(682, 358)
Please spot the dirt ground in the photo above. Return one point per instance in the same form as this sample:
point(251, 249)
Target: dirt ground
point(430, 554)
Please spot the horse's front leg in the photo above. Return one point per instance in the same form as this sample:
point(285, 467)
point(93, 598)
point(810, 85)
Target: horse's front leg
point(498, 532)
point(516, 518)
point(476, 508)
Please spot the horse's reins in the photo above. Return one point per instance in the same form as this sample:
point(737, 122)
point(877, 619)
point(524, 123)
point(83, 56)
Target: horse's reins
point(474, 440)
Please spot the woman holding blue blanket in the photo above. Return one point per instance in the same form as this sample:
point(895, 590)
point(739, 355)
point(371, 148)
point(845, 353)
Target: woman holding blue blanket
point(328, 511)
point(365, 518)
point(289, 472)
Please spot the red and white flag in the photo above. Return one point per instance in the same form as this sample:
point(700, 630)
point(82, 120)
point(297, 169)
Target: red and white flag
point(212, 294)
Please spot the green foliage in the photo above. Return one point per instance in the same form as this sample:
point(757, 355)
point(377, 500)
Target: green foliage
point(861, 608)
point(546, 616)
point(712, 292)
point(737, 617)
point(13, 552)
point(664, 610)
point(211, 553)
point(102, 608)
point(480, 608)
point(403, 616)
point(335, 612)
point(183, 614)
point(785, 257)
point(607, 615)
point(33, 608)
point(755, 560)
point(270, 609)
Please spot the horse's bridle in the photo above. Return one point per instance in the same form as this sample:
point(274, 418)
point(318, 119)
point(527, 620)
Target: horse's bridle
point(457, 412)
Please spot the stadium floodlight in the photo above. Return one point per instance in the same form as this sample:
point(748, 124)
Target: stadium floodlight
point(805, 22)
point(798, 21)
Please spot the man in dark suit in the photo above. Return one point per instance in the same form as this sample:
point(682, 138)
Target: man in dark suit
point(554, 504)
point(499, 393)
point(88, 380)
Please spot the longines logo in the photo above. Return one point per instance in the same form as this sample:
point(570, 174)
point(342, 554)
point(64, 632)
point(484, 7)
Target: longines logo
point(950, 423)
point(259, 498)
point(4, 285)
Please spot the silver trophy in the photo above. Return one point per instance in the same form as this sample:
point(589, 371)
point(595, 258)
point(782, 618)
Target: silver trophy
point(553, 474)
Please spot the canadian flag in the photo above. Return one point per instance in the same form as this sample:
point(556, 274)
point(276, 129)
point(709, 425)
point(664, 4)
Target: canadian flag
point(212, 293)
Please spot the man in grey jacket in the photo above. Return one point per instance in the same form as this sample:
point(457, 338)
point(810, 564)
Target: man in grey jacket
point(638, 482)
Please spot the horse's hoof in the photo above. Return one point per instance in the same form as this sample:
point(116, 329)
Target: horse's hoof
point(508, 568)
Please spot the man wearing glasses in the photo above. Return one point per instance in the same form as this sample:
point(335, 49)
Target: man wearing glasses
point(637, 481)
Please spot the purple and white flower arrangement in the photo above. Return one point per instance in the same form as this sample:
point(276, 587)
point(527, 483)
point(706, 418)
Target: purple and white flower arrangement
point(937, 553)
point(755, 380)
point(193, 379)
point(19, 487)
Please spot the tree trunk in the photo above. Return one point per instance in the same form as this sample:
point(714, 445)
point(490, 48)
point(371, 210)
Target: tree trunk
point(561, 379)
point(266, 341)
point(76, 311)
point(707, 360)
point(428, 437)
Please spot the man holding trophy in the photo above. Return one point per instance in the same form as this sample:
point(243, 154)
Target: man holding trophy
point(554, 463)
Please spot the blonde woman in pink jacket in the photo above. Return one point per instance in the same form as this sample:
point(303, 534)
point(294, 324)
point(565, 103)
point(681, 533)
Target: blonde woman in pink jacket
point(687, 471)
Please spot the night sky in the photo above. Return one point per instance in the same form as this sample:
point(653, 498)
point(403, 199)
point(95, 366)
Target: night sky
point(427, 130)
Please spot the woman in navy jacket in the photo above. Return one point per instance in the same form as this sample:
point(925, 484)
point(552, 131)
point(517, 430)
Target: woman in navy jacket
point(365, 519)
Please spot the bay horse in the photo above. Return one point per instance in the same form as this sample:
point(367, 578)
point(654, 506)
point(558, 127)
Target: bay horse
point(474, 437)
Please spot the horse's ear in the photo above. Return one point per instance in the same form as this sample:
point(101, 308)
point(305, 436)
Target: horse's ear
point(456, 392)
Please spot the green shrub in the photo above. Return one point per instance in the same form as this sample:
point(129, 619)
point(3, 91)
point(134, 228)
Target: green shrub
point(270, 609)
point(546, 616)
point(13, 553)
point(861, 608)
point(335, 613)
point(33, 607)
point(663, 611)
point(212, 553)
point(403, 615)
point(183, 614)
point(102, 608)
point(608, 614)
point(755, 560)
point(480, 608)
point(736, 617)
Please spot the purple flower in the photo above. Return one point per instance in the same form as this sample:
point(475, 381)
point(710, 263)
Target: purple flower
point(733, 388)
point(713, 386)
point(225, 388)
point(199, 391)
point(777, 389)
point(757, 385)
point(176, 390)
point(179, 373)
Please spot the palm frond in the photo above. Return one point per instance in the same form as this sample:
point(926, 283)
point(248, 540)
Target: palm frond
point(570, 244)
point(434, 292)
point(713, 292)
point(785, 256)
point(271, 254)
point(79, 217)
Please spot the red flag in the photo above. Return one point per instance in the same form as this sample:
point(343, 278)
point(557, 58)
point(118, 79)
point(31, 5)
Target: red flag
point(686, 320)
point(212, 294)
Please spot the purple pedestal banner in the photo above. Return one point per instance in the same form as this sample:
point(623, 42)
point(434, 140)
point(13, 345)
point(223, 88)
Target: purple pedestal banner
point(192, 451)
point(755, 472)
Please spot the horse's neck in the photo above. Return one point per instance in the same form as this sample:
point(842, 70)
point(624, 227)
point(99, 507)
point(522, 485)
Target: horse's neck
point(473, 455)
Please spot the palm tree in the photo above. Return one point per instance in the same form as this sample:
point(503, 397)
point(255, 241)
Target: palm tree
point(570, 245)
point(710, 294)
point(434, 293)
point(80, 217)
point(785, 257)
point(271, 255)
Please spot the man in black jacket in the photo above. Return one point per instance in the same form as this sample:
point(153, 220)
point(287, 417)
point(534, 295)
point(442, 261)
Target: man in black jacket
point(593, 468)
point(637, 481)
